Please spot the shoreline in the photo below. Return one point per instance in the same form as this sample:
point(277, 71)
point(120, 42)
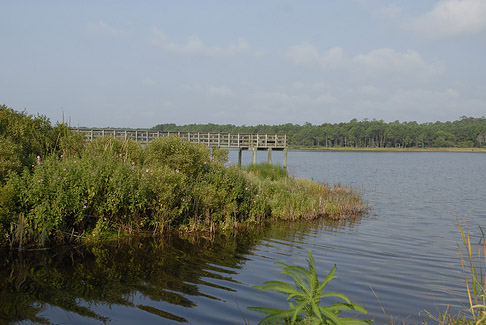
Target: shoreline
point(463, 150)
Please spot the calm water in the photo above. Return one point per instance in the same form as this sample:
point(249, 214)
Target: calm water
point(406, 251)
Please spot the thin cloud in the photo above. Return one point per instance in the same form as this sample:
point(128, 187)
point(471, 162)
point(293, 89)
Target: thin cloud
point(195, 46)
point(378, 63)
point(387, 62)
point(307, 54)
point(219, 91)
point(102, 28)
point(390, 11)
point(453, 18)
point(149, 83)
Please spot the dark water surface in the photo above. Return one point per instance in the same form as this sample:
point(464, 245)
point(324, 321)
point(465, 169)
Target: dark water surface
point(406, 251)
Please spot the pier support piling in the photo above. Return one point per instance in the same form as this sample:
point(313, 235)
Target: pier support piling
point(254, 155)
point(269, 156)
point(239, 157)
point(285, 159)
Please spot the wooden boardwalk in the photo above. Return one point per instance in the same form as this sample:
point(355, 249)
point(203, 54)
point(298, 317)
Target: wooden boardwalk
point(214, 140)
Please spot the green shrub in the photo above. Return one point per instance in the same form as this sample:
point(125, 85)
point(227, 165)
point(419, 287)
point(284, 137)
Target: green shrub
point(220, 155)
point(128, 150)
point(69, 143)
point(177, 154)
point(31, 136)
point(9, 158)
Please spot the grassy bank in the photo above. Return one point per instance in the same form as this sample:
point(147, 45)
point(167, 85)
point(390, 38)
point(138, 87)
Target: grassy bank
point(67, 190)
point(449, 149)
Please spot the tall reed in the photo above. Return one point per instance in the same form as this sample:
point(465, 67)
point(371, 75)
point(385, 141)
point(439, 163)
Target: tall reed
point(476, 272)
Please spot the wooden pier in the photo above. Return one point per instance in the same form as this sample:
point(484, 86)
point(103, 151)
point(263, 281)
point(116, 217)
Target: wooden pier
point(252, 142)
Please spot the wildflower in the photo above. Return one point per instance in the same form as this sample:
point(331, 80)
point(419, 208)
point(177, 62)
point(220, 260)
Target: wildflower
point(205, 163)
point(133, 163)
point(64, 169)
point(177, 170)
point(111, 179)
point(84, 206)
point(147, 170)
point(133, 167)
point(32, 165)
point(85, 201)
point(183, 199)
point(62, 156)
point(104, 218)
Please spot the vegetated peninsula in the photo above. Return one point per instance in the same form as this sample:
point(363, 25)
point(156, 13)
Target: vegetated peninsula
point(56, 188)
point(467, 132)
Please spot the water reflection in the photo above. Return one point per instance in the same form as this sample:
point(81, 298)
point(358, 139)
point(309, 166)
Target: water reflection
point(136, 274)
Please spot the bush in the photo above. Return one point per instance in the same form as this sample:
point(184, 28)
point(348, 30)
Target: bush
point(25, 137)
point(177, 154)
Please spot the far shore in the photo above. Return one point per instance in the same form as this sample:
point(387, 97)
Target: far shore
point(480, 150)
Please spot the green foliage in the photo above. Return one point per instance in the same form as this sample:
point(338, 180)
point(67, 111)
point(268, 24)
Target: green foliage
point(128, 150)
point(220, 155)
point(265, 170)
point(177, 154)
point(66, 189)
point(9, 157)
point(69, 144)
point(304, 299)
point(465, 132)
point(23, 137)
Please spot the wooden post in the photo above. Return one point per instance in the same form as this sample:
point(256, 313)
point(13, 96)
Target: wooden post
point(239, 157)
point(254, 155)
point(285, 159)
point(270, 155)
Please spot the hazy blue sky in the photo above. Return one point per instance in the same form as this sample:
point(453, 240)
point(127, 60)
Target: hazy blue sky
point(142, 63)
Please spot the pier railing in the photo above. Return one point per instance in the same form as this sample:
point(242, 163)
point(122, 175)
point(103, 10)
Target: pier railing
point(218, 140)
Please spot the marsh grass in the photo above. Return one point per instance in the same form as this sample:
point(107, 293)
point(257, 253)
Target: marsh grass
point(268, 171)
point(474, 268)
point(473, 264)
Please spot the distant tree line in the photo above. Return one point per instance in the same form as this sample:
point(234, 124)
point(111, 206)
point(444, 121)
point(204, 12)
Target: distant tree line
point(467, 132)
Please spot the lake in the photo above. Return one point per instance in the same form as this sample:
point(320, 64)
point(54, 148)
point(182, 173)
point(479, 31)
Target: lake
point(402, 258)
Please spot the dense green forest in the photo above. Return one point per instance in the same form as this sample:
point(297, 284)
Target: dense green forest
point(467, 132)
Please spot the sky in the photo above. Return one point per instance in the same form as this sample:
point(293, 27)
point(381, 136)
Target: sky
point(136, 64)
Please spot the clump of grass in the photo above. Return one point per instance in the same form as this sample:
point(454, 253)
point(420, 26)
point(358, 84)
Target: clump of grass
point(474, 267)
point(292, 198)
point(304, 299)
point(268, 171)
